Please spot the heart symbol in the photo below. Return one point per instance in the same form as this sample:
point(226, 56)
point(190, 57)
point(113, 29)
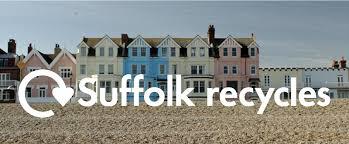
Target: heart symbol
point(62, 95)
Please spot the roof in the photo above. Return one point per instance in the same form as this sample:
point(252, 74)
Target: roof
point(2, 51)
point(48, 57)
point(154, 42)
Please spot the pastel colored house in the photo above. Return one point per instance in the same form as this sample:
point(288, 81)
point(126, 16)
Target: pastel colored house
point(9, 73)
point(280, 77)
point(238, 63)
point(101, 58)
point(62, 62)
point(145, 57)
point(336, 79)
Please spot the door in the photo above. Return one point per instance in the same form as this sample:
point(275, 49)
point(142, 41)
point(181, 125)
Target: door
point(233, 84)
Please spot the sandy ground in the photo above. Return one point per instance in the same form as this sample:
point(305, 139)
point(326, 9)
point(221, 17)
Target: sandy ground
point(200, 124)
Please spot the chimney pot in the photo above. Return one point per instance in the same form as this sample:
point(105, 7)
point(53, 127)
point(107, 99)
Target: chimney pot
point(11, 46)
point(211, 34)
point(30, 48)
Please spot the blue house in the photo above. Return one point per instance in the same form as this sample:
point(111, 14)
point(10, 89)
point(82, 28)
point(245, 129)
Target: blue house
point(145, 58)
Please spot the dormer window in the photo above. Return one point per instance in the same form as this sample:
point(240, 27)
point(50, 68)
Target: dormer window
point(233, 52)
point(193, 51)
point(164, 52)
point(225, 51)
point(101, 51)
point(83, 51)
point(253, 52)
point(143, 51)
point(134, 51)
point(173, 51)
point(202, 51)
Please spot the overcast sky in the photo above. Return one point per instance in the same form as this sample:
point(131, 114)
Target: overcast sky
point(289, 33)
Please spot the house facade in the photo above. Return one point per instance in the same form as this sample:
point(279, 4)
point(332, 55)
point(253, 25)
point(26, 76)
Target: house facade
point(197, 59)
point(61, 61)
point(334, 78)
point(9, 73)
point(100, 58)
point(280, 77)
point(238, 63)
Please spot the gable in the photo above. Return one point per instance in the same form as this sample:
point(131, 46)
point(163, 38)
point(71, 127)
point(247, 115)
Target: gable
point(35, 61)
point(198, 42)
point(229, 42)
point(168, 42)
point(63, 55)
point(106, 41)
point(36, 54)
point(139, 42)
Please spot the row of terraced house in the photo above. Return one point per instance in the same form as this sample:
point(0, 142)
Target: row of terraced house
point(203, 62)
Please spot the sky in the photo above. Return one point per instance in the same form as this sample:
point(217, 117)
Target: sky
point(290, 34)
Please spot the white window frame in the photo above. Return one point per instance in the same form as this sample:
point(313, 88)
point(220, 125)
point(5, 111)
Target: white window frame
point(255, 69)
point(63, 70)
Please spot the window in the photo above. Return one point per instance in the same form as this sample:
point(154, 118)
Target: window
point(134, 69)
point(42, 92)
point(28, 92)
point(253, 70)
point(162, 69)
point(197, 69)
point(308, 81)
point(340, 80)
point(143, 51)
point(143, 69)
point(106, 85)
point(163, 52)
point(225, 51)
point(173, 51)
point(65, 72)
point(141, 84)
point(199, 86)
point(187, 83)
point(234, 70)
point(134, 51)
point(116, 84)
point(266, 80)
point(196, 86)
point(101, 69)
point(201, 69)
point(287, 80)
point(202, 87)
point(111, 52)
point(202, 51)
point(83, 51)
point(193, 51)
point(225, 70)
point(174, 69)
point(209, 84)
point(220, 85)
point(193, 70)
point(253, 52)
point(233, 52)
point(110, 69)
point(149, 85)
point(82, 69)
point(101, 51)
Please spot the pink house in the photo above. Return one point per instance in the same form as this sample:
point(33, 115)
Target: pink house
point(62, 62)
point(238, 62)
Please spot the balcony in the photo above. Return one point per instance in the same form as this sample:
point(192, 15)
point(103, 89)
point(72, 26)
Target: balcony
point(9, 84)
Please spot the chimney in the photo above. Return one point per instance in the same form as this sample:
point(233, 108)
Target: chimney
point(11, 46)
point(57, 50)
point(335, 64)
point(84, 39)
point(124, 39)
point(343, 63)
point(30, 48)
point(253, 36)
point(211, 34)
